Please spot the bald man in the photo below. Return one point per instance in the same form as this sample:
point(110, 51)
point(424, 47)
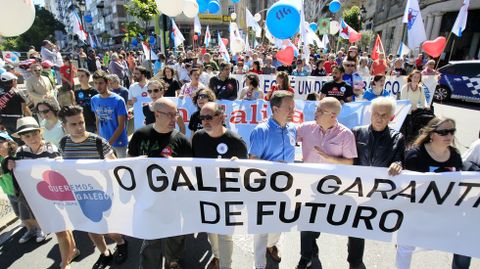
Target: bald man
point(160, 139)
point(325, 140)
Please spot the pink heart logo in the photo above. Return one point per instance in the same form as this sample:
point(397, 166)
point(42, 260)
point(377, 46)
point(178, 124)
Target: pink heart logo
point(354, 37)
point(285, 56)
point(435, 47)
point(54, 187)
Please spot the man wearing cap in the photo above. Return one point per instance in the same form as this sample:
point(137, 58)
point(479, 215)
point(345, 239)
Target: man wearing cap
point(207, 61)
point(39, 87)
point(12, 104)
point(216, 141)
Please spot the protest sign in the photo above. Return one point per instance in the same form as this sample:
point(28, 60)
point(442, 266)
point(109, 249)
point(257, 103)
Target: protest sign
point(155, 198)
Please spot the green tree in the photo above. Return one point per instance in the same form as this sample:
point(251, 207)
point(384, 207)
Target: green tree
point(352, 17)
point(44, 27)
point(144, 11)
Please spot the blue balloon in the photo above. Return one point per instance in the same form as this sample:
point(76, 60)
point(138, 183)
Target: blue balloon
point(88, 18)
point(134, 42)
point(314, 26)
point(235, 1)
point(213, 7)
point(283, 20)
point(202, 6)
point(334, 6)
point(152, 40)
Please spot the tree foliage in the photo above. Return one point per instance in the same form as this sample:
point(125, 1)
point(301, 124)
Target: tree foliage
point(44, 27)
point(352, 17)
point(144, 11)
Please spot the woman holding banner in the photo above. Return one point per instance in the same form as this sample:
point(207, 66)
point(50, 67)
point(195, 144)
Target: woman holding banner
point(433, 151)
point(282, 83)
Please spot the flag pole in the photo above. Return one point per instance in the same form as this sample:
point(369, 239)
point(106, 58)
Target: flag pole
point(451, 48)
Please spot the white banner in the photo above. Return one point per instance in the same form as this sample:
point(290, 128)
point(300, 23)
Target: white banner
point(305, 85)
point(156, 198)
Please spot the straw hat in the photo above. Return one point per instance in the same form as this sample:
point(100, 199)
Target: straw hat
point(26, 124)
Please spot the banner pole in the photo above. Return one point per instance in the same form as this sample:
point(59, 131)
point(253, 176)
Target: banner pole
point(451, 48)
point(450, 56)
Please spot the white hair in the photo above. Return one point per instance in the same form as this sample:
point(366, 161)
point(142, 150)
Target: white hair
point(385, 101)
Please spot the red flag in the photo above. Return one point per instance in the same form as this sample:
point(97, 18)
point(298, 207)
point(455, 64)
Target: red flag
point(377, 48)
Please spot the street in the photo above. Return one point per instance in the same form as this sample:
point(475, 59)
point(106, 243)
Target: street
point(333, 248)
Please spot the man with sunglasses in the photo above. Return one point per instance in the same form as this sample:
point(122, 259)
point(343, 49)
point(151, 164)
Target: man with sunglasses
point(337, 88)
point(216, 141)
point(39, 87)
point(160, 139)
point(325, 140)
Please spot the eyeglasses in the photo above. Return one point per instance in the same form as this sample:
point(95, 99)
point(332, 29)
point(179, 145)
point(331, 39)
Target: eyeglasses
point(445, 132)
point(44, 111)
point(202, 96)
point(207, 117)
point(169, 114)
point(154, 90)
point(37, 70)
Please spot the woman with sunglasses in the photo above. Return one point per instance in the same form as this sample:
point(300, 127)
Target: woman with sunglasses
point(200, 98)
point(433, 151)
point(156, 90)
point(53, 130)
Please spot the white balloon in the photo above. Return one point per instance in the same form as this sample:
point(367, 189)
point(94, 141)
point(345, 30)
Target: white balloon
point(233, 16)
point(168, 8)
point(238, 45)
point(16, 17)
point(257, 17)
point(334, 27)
point(190, 8)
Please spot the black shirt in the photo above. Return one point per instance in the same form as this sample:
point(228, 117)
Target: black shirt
point(224, 89)
point(149, 115)
point(195, 123)
point(83, 98)
point(418, 159)
point(341, 91)
point(284, 68)
point(147, 141)
point(173, 86)
point(319, 72)
point(227, 146)
point(11, 102)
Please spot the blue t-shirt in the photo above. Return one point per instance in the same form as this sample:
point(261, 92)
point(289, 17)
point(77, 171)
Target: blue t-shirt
point(107, 110)
point(370, 95)
point(271, 142)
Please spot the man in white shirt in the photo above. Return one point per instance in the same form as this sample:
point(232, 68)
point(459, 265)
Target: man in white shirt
point(138, 95)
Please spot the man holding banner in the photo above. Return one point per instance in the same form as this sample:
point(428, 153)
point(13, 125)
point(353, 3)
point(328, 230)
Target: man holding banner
point(273, 140)
point(216, 141)
point(325, 140)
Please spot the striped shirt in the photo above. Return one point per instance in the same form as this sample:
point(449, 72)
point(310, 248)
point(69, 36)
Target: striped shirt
point(86, 149)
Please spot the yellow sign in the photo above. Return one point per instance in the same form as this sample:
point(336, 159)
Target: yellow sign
point(214, 18)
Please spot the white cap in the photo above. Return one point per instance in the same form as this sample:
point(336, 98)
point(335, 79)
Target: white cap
point(7, 76)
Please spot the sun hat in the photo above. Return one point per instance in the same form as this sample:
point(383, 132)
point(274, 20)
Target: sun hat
point(26, 124)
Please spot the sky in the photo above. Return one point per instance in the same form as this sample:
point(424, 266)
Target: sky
point(39, 2)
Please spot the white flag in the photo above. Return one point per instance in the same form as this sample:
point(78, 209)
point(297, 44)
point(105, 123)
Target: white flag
point(77, 27)
point(252, 23)
point(247, 44)
point(208, 37)
point(303, 35)
point(197, 27)
point(148, 51)
point(223, 49)
point(177, 35)
point(269, 36)
point(403, 50)
point(325, 41)
point(461, 21)
point(416, 30)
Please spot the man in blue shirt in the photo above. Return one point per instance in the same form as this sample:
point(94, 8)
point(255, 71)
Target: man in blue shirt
point(110, 113)
point(273, 140)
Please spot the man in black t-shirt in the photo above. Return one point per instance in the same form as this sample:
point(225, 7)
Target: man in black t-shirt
point(223, 85)
point(337, 88)
point(216, 141)
point(160, 139)
point(83, 95)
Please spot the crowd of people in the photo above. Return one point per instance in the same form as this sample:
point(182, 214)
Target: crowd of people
point(82, 111)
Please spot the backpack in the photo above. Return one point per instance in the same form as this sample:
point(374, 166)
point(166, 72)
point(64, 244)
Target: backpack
point(98, 143)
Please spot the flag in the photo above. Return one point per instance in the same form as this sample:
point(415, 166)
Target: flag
point(92, 41)
point(269, 36)
point(303, 35)
point(403, 50)
point(324, 26)
point(177, 35)
point(208, 37)
point(11, 57)
point(252, 23)
point(247, 44)
point(223, 50)
point(415, 28)
point(461, 21)
point(78, 27)
point(197, 27)
point(377, 48)
point(325, 41)
point(346, 30)
point(148, 52)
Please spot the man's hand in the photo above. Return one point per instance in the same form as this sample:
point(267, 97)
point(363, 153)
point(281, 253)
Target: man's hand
point(10, 164)
point(395, 169)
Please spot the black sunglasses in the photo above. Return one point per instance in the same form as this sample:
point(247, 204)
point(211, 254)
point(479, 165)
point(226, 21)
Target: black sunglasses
point(202, 96)
point(154, 90)
point(44, 111)
point(207, 117)
point(445, 132)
